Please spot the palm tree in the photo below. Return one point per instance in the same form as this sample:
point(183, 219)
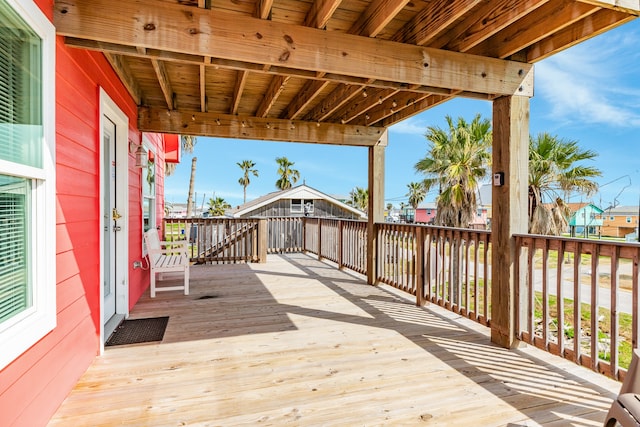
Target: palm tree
point(416, 194)
point(359, 198)
point(247, 168)
point(217, 206)
point(192, 182)
point(457, 159)
point(553, 170)
point(288, 176)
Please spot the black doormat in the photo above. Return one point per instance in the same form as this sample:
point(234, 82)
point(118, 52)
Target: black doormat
point(139, 330)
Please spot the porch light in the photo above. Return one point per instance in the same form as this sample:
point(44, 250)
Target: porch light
point(141, 154)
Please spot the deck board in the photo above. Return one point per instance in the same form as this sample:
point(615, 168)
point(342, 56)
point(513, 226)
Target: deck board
point(299, 342)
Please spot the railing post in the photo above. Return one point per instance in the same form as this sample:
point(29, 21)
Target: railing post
point(419, 266)
point(304, 235)
point(262, 241)
point(340, 237)
point(320, 239)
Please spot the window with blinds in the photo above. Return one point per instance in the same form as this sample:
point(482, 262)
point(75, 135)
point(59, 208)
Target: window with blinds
point(20, 144)
point(27, 178)
point(15, 289)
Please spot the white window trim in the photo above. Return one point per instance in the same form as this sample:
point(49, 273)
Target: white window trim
point(150, 149)
point(19, 334)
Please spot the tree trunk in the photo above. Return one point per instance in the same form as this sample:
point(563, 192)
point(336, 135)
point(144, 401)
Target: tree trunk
point(192, 181)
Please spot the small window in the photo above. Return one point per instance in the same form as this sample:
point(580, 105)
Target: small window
point(308, 207)
point(27, 178)
point(296, 205)
point(629, 220)
point(611, 218)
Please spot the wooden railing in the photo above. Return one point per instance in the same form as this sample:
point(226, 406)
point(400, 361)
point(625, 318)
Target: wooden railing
point(558, 275)
point(341, 241)
point(284, 235)
point(446, 266)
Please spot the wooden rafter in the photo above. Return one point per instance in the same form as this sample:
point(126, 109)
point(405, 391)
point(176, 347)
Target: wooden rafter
point(433, 20)
point(248, 127)
point(320, 12)
point(361, 104)
point(376, 17)
point(165, 84)
point(263, 9)
point(337, 98)
point(487, 20)
point(306, 95)
point(124, 73)
point(241, 80)
point(276, 86)
point(533, 28)
point(596, 23)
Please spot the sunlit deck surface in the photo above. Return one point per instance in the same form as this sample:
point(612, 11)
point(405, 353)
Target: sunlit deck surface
point(298, 342)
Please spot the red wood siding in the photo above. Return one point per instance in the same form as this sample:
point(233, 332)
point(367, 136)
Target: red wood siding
point(34, 385)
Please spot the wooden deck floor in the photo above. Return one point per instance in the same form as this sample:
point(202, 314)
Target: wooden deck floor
point(298, 342)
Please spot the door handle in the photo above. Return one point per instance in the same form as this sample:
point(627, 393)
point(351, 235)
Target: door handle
point(115, 215)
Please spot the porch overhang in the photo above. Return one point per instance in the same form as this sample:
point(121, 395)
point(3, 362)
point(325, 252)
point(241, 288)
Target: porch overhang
point(269, 69)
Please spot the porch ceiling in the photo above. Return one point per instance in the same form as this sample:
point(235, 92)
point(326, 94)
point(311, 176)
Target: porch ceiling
point(328, 71)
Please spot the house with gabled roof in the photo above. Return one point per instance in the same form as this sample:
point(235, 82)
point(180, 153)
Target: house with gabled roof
point(298, 201)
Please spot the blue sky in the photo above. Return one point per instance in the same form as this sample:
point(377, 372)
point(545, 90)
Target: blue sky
point(589, 93)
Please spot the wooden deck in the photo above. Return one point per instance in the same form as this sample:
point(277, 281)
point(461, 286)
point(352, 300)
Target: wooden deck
point(298, 342)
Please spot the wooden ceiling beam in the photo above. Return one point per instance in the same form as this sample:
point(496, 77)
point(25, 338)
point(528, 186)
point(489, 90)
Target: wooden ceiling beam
point(594, 24)
point(177, 28)
point(415, 108)
point(165, 84)
point(243, 66)
point(376, 17)
point(433, 20)
point(124, 73)
point(246, 127)
point(534, 27)
point(276, 86)
point(320, 13)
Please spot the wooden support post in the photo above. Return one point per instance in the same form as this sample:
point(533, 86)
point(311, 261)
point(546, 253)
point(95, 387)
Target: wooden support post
point(376, 203)
point(262, 241)
point(510, 184)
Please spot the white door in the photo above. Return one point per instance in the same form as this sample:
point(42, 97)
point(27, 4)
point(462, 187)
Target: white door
point(110, 217)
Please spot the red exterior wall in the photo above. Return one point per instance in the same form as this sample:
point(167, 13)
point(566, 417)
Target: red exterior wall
point(33, 386)
point(425, 215)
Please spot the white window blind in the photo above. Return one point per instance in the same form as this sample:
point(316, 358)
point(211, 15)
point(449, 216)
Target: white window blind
point(15, 294)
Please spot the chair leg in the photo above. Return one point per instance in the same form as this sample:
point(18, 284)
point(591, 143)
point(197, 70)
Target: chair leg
point(153, 283)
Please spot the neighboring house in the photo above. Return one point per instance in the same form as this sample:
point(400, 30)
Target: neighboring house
point(620, 221)
point(426, 213)
point(296, 202)
point(586, 220)
point(75, 196)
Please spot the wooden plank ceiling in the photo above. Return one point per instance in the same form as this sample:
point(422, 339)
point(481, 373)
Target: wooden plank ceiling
point(328, 71)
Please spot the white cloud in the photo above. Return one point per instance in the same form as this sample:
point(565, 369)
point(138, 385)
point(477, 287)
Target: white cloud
point(410, 126)
point(582, 87)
